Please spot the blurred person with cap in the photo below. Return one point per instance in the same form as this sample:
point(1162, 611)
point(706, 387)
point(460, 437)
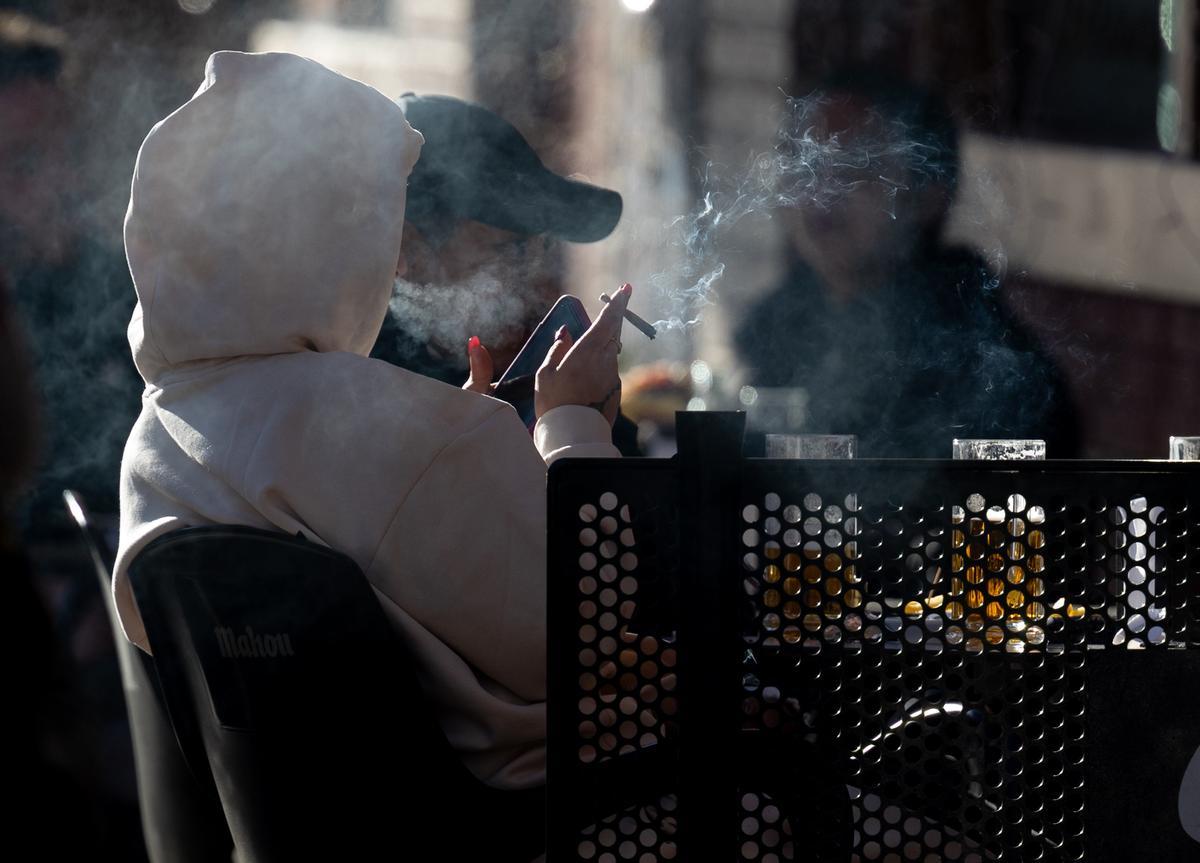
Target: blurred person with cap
point(483, 219)
point(264, 235)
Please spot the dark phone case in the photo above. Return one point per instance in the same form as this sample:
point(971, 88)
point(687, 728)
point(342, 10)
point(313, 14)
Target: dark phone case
point(516, 384)
point(567, 310)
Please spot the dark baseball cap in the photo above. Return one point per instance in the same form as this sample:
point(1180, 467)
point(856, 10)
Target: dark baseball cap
point(476, 166)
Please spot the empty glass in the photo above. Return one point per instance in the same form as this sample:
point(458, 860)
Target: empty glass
point(999, 449)
point(817, 446)
point(1185, 448)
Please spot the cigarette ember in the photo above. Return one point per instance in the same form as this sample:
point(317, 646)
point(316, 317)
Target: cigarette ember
point(641, 323)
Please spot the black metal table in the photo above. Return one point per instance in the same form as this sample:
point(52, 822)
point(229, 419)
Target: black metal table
point(873, 660)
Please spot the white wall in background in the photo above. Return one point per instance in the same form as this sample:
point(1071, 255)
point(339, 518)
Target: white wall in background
point(426, 49)
point(625, 140)
point(1101, 219)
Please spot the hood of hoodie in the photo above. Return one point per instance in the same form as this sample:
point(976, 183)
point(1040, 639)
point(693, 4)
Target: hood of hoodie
point(265, 215)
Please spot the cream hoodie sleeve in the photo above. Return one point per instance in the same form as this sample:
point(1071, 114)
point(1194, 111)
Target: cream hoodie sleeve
point(466, 546)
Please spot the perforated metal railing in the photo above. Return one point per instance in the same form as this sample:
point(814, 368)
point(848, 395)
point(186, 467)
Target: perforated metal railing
point(627, 680)
point(623, 699)
point(764, 661)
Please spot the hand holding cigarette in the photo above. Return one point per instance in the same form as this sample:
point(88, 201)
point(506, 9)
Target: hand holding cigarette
point(642, 325)
point(584, 371)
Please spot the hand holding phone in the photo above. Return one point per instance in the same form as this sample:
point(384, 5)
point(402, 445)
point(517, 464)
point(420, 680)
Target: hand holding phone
point(584, 371)
point(568, 360)
point(516, 385)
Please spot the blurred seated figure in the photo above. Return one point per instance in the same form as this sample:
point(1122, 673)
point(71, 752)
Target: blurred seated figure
point(70, 296)
point(481, 233)
point(49, 757)
point(889, 335)
point(72, 293)
point(17, 445)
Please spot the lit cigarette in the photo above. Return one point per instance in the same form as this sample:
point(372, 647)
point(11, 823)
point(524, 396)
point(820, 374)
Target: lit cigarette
point(638, 322)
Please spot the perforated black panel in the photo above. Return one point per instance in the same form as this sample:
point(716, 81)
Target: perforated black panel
point(614, 574)
point(942, 640)
point(974, 574)
point(626, 679)
point(644, 832)
point(911, 639)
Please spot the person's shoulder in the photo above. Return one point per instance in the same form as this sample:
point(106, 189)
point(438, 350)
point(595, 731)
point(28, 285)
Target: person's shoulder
point(391, 398)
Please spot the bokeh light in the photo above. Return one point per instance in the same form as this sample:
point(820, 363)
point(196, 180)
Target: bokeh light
point(196, 7)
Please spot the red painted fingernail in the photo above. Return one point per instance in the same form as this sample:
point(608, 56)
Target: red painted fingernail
point(472, 343)
point(627, 289)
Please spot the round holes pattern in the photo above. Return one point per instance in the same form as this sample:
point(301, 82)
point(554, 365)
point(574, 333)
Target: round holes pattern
point(764, 830)
point(1132, 549)
point(949, 738)
point(807, 587)
point(644, 833)
point(626, 697)
point(959, 749)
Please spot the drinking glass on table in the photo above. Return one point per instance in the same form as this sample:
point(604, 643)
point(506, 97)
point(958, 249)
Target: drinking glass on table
point(998, 449)
point(812, 446)
point(1184, 448)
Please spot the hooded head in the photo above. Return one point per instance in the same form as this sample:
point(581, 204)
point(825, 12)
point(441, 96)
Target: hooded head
point(266, 215)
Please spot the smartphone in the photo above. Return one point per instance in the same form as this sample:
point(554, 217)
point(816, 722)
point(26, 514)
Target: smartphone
point(516, 384)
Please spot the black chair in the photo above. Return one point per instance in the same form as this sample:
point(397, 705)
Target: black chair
point(182, 821)
point(279, 667)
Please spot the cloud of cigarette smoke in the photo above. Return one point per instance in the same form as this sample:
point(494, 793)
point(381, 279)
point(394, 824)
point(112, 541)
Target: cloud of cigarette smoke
point(443, 316)
point(432, 314)
point(806, 169)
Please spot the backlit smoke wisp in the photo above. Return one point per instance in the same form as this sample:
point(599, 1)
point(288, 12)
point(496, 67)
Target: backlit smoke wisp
point(441, 316)
point(809, 167)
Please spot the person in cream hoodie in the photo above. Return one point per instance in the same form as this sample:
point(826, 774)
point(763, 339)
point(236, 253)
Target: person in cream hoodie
point(263, 236)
